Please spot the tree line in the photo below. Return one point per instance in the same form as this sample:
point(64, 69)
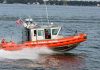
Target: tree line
point(53, 2)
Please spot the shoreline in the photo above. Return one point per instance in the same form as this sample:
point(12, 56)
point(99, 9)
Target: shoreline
point(66, 3)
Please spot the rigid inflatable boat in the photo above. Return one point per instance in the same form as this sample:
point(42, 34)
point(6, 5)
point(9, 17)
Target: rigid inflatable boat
point(44, 36)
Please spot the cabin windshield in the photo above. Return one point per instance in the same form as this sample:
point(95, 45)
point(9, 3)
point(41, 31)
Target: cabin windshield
point(55, 31)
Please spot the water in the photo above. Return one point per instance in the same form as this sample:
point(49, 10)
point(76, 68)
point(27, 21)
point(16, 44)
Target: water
point(84, 19)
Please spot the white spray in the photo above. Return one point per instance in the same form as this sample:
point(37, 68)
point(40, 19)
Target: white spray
point(27, 53)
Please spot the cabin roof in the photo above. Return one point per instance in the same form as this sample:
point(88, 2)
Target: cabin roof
point(46, 26)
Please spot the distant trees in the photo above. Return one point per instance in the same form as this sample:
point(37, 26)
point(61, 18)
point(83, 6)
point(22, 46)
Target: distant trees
point(54, 2)
point(21, 1)
point(1, 1)
point(83, 3)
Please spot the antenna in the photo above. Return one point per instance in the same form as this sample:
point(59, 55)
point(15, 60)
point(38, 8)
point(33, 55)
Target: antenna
point(46, 10)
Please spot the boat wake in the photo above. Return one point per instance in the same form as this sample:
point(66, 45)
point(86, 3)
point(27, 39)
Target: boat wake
point(27, 53)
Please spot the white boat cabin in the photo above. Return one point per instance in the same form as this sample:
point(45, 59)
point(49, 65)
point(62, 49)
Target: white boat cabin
point(36, 32)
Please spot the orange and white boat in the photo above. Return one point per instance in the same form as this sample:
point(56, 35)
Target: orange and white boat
point(44, 35)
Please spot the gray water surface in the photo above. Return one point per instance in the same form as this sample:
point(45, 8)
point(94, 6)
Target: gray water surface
point(83, 19)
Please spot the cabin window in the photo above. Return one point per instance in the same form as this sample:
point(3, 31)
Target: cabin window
point(40, 32)
point(54, 31)
point(28, 34)
point(47, 33)
point(35, 33)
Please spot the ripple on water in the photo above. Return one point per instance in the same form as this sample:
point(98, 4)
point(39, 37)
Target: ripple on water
point(70, 17)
